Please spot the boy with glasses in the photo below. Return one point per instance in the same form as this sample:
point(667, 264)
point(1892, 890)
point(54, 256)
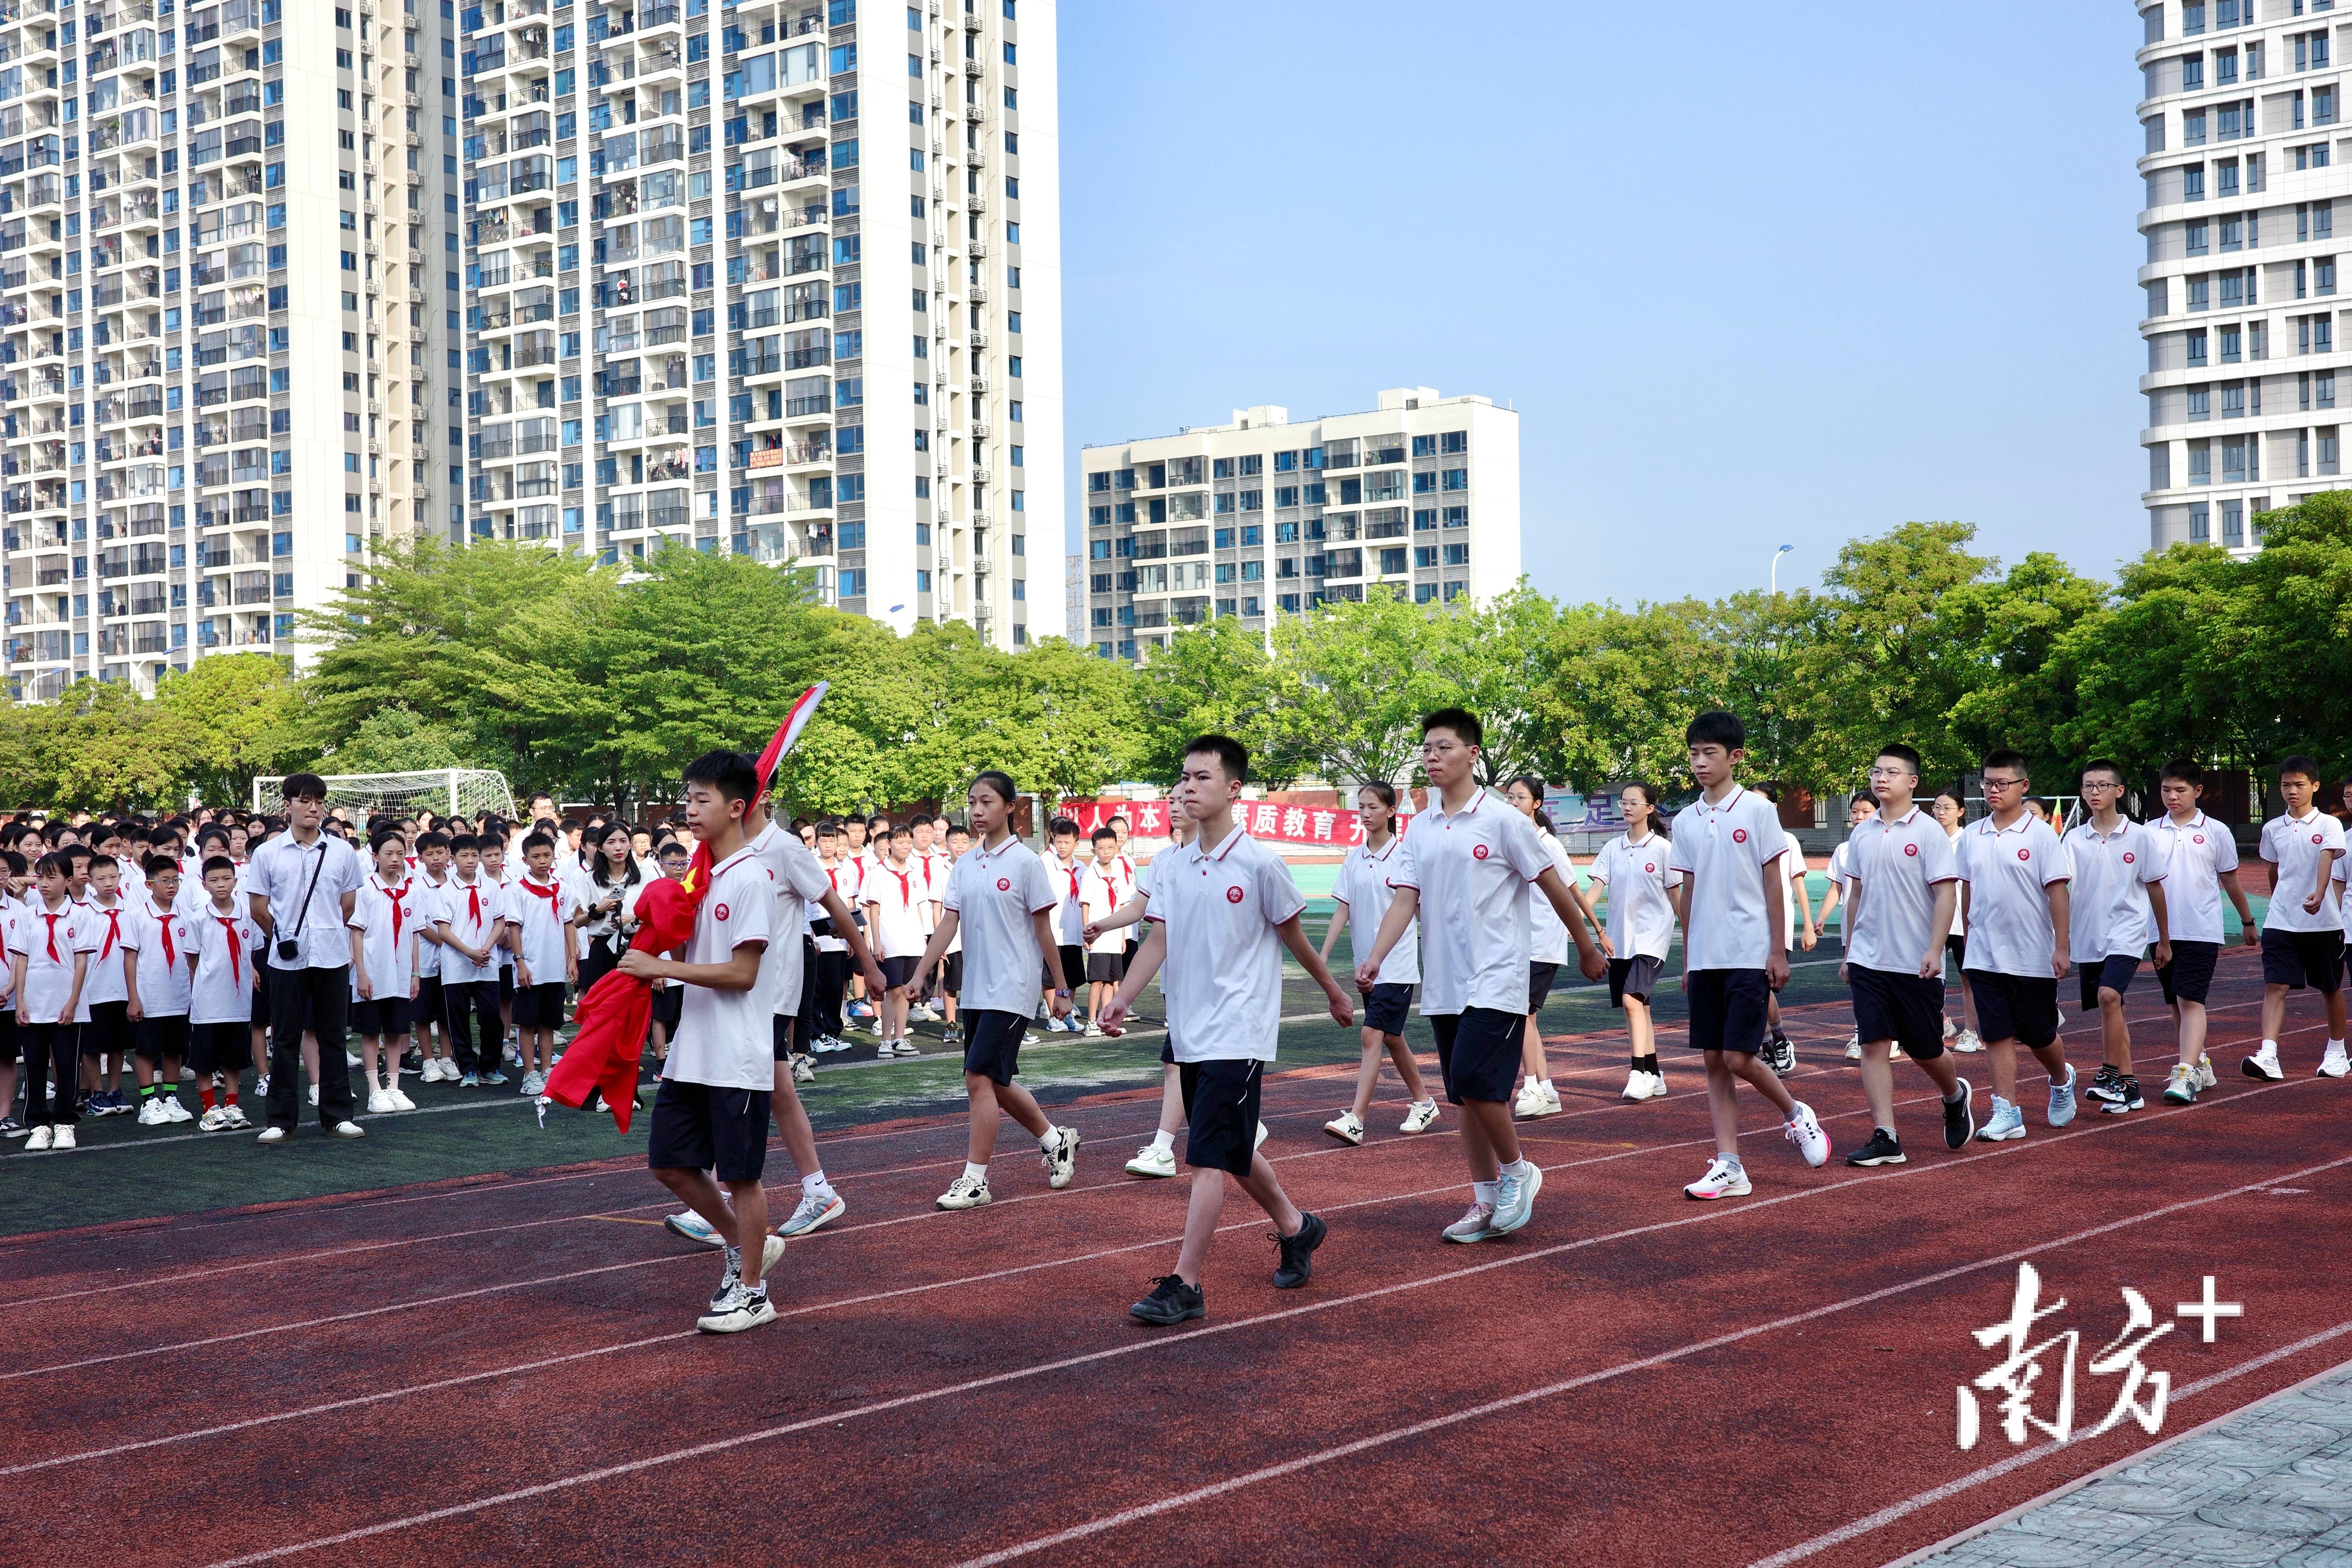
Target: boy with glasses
point(2117, 908)
point(2303, 939)
point(2200, 861)
point(2014, 893)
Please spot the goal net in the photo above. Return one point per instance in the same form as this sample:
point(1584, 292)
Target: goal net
point(446, 792)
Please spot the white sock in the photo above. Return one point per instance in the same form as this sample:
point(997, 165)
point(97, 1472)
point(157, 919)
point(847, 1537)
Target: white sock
point(815, 1185)
point(1547, 1083)
point(1484, 1193)
point(1518, 1169)
point(2270, 1048)
point(1045, 1138)
point(977, 1172)
point(2335, 1045)
point(1418, 1103)
point(1164, 1140)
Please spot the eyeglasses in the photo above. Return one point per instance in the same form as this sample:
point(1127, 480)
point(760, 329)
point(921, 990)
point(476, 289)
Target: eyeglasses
point(1890, 773)
point(1991, 785)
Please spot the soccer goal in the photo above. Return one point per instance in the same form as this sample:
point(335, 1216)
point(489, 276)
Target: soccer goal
point(451, 792)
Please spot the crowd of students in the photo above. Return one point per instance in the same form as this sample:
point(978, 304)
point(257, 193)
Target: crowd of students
point(187, 949)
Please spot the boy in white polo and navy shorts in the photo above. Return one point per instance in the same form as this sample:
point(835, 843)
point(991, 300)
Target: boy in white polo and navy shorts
point(2200, 861)
point(2015, 887)
point(1904, 890)
point(2303, 936)
point(2117, 908)
point(1475, 862)
point(1727, 845)
point(1223, 907)
point(710, 1111)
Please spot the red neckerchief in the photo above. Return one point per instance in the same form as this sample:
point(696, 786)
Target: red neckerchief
point(164, 919)
point(113, 928)
point(235, 948)
point(53, 920)
point(474, 900)
point(1075, 871)
point(927, 873)
point(399, 915)
point(553, 894)
point(906, 887)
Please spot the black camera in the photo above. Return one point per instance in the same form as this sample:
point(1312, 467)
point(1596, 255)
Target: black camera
point(290, 951)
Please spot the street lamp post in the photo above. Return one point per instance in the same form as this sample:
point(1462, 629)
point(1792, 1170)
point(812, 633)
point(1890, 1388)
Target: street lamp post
point(1784, 550)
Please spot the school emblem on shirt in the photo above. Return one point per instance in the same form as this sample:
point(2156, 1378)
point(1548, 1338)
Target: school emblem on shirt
point(721, 912)
point(2314, 838)
point(1478, 852)
point(1004, 884)
point(1739, 836)
point(1912, 849)
point(2196, 838)
point(2129, 857)
point(2025, 854)
point(1234, 894)
point(1649, 867)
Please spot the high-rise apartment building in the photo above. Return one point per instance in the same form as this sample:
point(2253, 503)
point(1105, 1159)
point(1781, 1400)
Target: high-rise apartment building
point(1262, 517)
point(225, 299)
point(2246, 159)
point(778, 276)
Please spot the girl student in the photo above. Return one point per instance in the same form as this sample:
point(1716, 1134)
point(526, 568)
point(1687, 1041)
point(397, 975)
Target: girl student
point(1363, 884)
point(1951, 814)
point(1547, 951)
point(1643, 895)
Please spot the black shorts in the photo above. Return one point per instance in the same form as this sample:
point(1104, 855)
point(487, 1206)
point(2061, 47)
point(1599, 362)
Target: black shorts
point(952, 975)
point(1073, 969)
point(781, 1037)
point(1105, 968)
point(2020, 1008)
point(540, 1006)
point(1221, 1104)
point(220, 1048)
point(669, 1003)
point(1478, 1052)
point(700, 1127)
point(260, 1016)
point(157, 1038)
point(505, 983)
point(1727, 1009)
point(991, 1044)
point(1636, 977)
point(1387, 1006)
point(2189, 975)
point(428, 1005)
point(2113, 973)
point(1539, 978)
point(8, 1049)
point(108, 1033)
point(896, 971)
point(2296, 959)
point(1904, 1009)
point(382, 1018)
point(1956, 944)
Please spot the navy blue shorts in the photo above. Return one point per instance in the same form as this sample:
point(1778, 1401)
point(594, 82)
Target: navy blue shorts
point(1386, 1007)
point(385, 1017)
point(220, 1048)
point(108, 1033)
point(896, 971)
point(2113, 973)
point(540, 1006)
point(1727, 1009)
point(157, 1038)
point(1636, 977)
point(781, 1035)
point(1539, 978)
point(1904, 1009)
point(700, 1127)
point(1220, 1106)
point(2019, 1007)
point(2189, 975)
point(1478, 1052)
point(991, 1044)
point(2296, 959)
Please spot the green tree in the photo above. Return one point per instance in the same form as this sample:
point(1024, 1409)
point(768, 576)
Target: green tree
point(395, 741)
point(1365, 672)
point(2020, 693)
point(1619, 687)
point(1491, 660)
point(234, 716)
point(1217, 678)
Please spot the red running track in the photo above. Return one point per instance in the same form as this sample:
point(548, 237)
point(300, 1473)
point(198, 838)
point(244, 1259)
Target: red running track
point(510, 1366)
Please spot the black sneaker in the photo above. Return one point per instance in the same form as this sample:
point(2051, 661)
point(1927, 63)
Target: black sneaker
point(1780, 1055)
point(1882, 1150)
point(1298, 1252)
point(1961, 1118)
point(2126, 1097)
point(1172, 1301)
point(2108, 1085)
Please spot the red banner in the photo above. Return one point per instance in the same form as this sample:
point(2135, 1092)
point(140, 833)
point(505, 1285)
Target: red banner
point(1269, 820)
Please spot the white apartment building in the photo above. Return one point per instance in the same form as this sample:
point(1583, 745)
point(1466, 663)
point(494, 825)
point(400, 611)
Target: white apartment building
point(2247, 156)
point(780, 277)
point(1261, 515)
point(226, 316)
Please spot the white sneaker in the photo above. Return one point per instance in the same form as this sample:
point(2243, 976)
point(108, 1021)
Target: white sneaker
point(42, 1137)
point(1093, 1030)
point(692, 1227)
point(1421, 1117)
point(379, 1103)
point(1475, 1226)
point(1152, 1160)
point(151, 1113)
point(965, 1192)
point(735, 1311)
point(236, 1117)
point(1968, 1041)
point(1346, 1127)
point(172, 1109)
point(1261, 1136)
point(349, 1130)
point(314, 1097)
point(1657, 1086)
point(533, 1083)
point(350, 1060)
point(1530, 1102)
point(803, 1070)
point(1060, 1154)
point(2336, 1064)
point(1723, 1180)
point(1950, 1028)
point(1551, 1099)
point(1805, 1131)
point(64, 1139)
point(1515, 1200)
point(1637, 1084)
point(212, 1121)
point(273, 1135)
point(261, 1087)
point(2264, 1064)
point(815, 1209)
point(1853, 1048)
point(2205, 1077)
point(399, 1100)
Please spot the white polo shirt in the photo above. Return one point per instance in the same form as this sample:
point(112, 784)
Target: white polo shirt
point(113, 931)
point(2293, 846)
point(894, 894)
point(1068, 884)
point(475, 913)
point(1722, 850)
point(2195, 854)
point(280, 871)
point(221, 991)
point(1223, 969)
point(1959, 926)
point(1100, 892)
point(1793, 873)
point(1546, 936)
point(799, 878)
point(51, 938)
point(166, 938)
point(542, 912)
point(2009, 871)
point(1472, 868)
point(1363, 887)
point(426, 908)
point(727, 1039)
point(1896, 863)
point(1640, 915)
point(993, 893)
point(2111, 914)
point(385, 918)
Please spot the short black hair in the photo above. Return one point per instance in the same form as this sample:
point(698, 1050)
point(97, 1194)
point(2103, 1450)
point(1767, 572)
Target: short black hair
point(2105, 766)
point(828, 827)
point(460, 843)
point(1908, 755)
point(436, 839)
point(1230, 754)
point(1461, 720)
point(956, 827)
point(2186, 771)
point(1102, 833)
point(78, 852)
point(1061, 826)
point(903, 830)
point(55, 864)
point(672, 847)
point(730, 772)
point(156, 865)
point(2005, 758)
point(536, 840)
point(2299, 764)
point(1718, 728)
point(217, 863)
point(301, 786)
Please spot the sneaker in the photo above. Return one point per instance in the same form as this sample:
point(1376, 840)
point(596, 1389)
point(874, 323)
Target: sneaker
point(1421, 1117)
point(1882, 1150)
point(1172, 1301)
point(908, 1049)
point(1093, 1030)
point(151, 1113)
point(1961, 1118)
point(1297, 1264)
point(11, 1128)
point(261, 1087)
point(1637, 1084)
point(2062, 1098)
point(65, 1138)
point(1346, 1128)
point(692, 1227)
point(2007, 1121)
point(349, 1130)
point(2128, 1101)
point(1530, 1102)
point(1657, 1086)
point(2180, 1086)
point(314, 1097)
point(740, 1310)
point(494, 1078)
point(379, 1103)
point(965, 1192)
point(212, 1121)
point(1804, 1130)
point(1515, 1200)
point(2264, 1064)
point(172, 1109)
point(1968, 1041)
point(952, 1035)
point(1477, 1225)
point(2205, 1075)
point(237, 1121)
point(1259, 1142)
point(878, 1025)
point(534, 1083)
point(399, 1100)
point(510, 1053)
point(350, 1060)
point(1950, 1029)
point(2107, 1084)
point(1551, 1099)
point(1723, 1180)
point(1853, 1047)
point(1780, 1055)
point(2336, 1064)
point(1060, 1156)
point(815, 1209)
point(41, 1137)
point(1152, 1160)
point(471, 1081)
point(803, 1070)
point(273, 1135)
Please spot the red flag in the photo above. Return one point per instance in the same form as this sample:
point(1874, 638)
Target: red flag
point(613, 1015)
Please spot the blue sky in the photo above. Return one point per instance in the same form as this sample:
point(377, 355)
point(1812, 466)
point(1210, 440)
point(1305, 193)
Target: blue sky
point(1751, 275)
